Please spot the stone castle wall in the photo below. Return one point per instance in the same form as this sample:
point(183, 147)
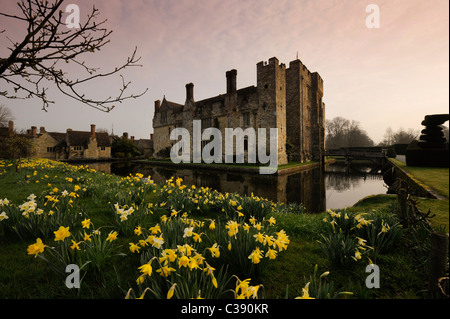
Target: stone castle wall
point(287, 99)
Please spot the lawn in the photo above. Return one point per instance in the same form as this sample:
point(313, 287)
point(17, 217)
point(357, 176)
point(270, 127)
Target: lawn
point(435, 178)
point(135, 238)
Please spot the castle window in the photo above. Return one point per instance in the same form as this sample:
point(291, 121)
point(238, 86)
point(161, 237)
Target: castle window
point(206, 122)
point(164, 118)
point(51, 150)
point(102, 148)
point(77, 148)
point(246, 118)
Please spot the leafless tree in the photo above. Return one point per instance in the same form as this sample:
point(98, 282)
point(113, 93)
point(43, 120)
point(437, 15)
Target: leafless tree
point(46, 50)
point(5, 115)
point(345, 133)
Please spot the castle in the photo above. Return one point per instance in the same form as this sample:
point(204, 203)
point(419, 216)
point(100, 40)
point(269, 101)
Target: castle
point(289, 99)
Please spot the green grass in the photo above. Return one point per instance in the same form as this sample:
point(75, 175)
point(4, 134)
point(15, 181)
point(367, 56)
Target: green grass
point(435, 178)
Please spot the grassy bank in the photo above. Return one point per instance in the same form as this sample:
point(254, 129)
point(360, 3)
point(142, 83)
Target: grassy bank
point(135, 237)
point(435, 178)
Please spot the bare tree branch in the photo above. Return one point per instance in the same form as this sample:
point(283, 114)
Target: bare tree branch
point(48, 47)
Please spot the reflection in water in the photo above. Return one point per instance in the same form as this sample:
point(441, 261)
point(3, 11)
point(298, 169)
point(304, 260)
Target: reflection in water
point(335, 188)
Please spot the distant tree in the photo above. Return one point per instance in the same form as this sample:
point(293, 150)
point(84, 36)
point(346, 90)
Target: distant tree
point(123, 147)
point(345, 133)
point(47, 50)
point(388, 137)
point(5, 115)
point(399, 137)
point(15, 147)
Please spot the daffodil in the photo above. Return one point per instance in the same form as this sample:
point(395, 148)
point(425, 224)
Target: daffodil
point(255, 256)
point(271, 253)
point(75, 245)
point(183, 261)
point(3, 216)
point(134, 248)
point(188, 232)
point(259, 237)
point(305, 293)
point(86, 237)
point(112, 236)
point(215, 251)
point(36, 248)
point(146, 269)
point(272, 221)
point(168, 255)
point(197, 237)
point(62, 233)
point(86, 223)
point(171, 291)
point(138, 230)
point(165, 271)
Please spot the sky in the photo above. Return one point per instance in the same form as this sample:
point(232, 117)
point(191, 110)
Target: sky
point(391, 76)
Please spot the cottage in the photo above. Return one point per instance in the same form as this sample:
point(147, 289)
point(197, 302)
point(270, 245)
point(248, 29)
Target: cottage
point(72, 145)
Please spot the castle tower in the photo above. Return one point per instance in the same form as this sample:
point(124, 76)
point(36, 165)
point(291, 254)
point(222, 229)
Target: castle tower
point(271, 84)
point(306, 119)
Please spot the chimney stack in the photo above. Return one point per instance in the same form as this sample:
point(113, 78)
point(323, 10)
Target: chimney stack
point(132, 138)
point(93, 130)
point(34, 131)
point(189, 92)
point(231, 81)
point(157, 105)
point(125, 135)
point(42, 130)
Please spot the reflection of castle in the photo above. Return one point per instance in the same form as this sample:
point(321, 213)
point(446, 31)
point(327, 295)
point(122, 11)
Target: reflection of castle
point(306, 187)
point(289, 99)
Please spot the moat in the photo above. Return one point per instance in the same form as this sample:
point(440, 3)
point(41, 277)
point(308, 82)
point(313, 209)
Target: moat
point(336, 187)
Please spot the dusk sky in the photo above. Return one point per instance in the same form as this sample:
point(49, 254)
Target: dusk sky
point(387, 77)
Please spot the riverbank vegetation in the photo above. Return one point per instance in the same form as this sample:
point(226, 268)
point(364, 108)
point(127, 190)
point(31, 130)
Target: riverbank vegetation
point(132, 238)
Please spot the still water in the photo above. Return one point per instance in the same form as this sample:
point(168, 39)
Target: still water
point(336, 187)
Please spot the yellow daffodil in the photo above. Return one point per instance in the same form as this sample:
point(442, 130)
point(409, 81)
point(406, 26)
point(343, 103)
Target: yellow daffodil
point(255, 256)
point(62, 233)
point(305, 293)
point(215, 251)
point(146, 269)
point(112, 236)
point(36, 248)
point(171, 291)
point(183, 261)
point(86, 223)
point(165, 271)
point(138, 230)
point(134, 248)
point(271, 253)
point(75, 245)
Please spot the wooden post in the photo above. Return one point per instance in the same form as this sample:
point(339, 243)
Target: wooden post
point(402, 197)
point(438, 261)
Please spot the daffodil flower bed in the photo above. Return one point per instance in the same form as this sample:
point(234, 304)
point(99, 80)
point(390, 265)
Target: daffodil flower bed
point(171, 240)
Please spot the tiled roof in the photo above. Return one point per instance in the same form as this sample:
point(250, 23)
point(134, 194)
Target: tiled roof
point(79, 138)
